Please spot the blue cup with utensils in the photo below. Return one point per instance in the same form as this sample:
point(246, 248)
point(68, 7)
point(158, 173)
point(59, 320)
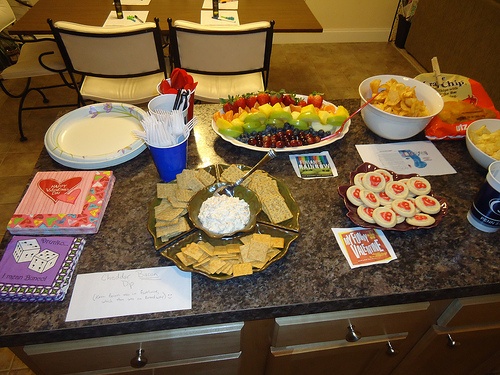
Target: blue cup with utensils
point(170, 160)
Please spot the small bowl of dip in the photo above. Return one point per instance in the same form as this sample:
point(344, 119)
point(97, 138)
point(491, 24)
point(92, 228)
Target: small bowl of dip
point(223, 216)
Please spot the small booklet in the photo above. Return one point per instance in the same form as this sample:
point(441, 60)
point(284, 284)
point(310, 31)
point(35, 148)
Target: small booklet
point(63, 202)
point(38, 269)
point(364, 246)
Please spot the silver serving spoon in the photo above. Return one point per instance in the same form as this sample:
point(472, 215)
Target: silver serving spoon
point(229, 189)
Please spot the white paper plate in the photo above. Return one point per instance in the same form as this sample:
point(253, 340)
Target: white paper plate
point(235, 142)
point(96, 136)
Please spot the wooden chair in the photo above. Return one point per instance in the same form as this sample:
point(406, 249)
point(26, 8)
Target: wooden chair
point(224, 60)
point(121, 64)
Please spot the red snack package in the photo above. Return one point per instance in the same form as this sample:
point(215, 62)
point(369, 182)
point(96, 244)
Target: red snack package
point(465, 101)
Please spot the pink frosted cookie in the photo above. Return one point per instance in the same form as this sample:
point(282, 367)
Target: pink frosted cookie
point(385, 217)
point(374, 181)
point(366, 213)
point(388, 177)
point(353, 194)
point(396, 190)
point(384, 199)
point(421, 220)
point(358, 180)
point(419, 186)
point(369, 198)
point(428, 204)
point(403, 207)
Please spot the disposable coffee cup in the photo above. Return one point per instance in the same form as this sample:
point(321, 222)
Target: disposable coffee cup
point(485, 211)
point(165, 102)
point(170, 160)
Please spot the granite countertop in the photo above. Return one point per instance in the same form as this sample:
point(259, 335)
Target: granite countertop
point(452, 260)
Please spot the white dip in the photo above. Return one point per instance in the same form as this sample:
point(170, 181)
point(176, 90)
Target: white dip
point(223, 214)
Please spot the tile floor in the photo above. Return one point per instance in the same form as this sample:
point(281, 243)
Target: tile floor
point(334, 69)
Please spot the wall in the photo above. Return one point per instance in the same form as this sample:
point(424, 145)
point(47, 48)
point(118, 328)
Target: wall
point(347, 21)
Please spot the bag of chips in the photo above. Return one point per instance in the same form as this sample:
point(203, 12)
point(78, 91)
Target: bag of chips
point(465, 101)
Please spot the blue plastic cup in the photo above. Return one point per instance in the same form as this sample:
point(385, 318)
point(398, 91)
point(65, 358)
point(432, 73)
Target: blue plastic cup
point(170, 160)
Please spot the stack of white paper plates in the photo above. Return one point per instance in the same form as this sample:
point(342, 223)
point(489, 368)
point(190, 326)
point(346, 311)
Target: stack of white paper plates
point(96, 136)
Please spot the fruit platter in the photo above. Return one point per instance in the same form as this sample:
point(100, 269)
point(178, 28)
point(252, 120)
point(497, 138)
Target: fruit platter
point(410, 210)
point(177, 239)
point(282, 121)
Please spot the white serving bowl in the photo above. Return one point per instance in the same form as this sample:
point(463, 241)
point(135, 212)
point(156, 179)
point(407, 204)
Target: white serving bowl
point(394, 127)
point(479, 156)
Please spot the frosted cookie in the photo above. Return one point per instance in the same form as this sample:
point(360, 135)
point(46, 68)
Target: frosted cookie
point(419, 186)
point(369, 198)
point(428, 204)
point(412, 200)
point(374, 181)
point(396, 190)
point(353, 194)
point(400, 219)
point(388, 177)
point(358, 180)
point(366, 213)
point(385, 217)
point(403, 207)
point(383, 198)
point(421, 220)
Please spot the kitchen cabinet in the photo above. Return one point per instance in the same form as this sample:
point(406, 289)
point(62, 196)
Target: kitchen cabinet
point(464, 340)
point(199, 350)
point(364, 341)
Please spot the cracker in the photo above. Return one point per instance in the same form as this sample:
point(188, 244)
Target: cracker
point(258, 251)
point(173, 230)
point(214, 265)
point(193, 250)
point(232, 174)
point(164, 190)
point(204, 177)
point(176, 202)
point(185, 259)
point(187, 180)
point(206, 247)
point(184, 195)
point(242, 269)
point(165, 223)
point(278, 242)
point(170, 214)
point(277, 210)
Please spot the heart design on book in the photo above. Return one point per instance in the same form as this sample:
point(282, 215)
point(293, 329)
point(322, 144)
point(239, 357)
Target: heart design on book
point(61, 191)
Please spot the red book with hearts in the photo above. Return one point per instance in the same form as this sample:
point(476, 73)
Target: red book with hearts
point(63, 202)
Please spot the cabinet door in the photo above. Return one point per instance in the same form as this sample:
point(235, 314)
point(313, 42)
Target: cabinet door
point(370, 355)
point(456, 352)
point(363, 341)
point(163, 349)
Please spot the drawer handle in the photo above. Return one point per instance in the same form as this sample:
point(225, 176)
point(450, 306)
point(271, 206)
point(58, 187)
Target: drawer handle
point(352, 335)
point(139, 360)
point(390, 350)
point(452, 343)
